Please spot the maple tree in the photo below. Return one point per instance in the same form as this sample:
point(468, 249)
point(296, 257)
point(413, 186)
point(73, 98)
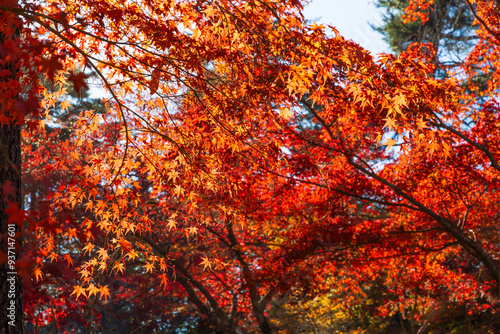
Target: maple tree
point(241, 157)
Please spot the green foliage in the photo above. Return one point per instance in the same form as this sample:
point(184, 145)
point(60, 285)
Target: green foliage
point(449, 28)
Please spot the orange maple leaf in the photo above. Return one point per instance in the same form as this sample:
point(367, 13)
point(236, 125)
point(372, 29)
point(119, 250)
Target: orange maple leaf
point(79, 291)
point(125, 245)
point(104, 292)
point(38, 274)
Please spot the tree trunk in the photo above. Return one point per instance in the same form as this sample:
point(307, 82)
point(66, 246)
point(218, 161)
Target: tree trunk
point(10, 197)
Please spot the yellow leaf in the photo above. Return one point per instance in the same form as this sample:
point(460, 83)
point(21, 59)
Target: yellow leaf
point(206, 263)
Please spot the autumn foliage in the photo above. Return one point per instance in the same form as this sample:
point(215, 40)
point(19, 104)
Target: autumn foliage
point(243, 165)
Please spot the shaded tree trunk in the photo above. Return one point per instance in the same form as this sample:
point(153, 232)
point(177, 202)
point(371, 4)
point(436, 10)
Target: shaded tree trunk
point(11, 197)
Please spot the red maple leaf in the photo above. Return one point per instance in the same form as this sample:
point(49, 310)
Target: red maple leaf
point(50, 66)
point(78, 81)
point(15, 214)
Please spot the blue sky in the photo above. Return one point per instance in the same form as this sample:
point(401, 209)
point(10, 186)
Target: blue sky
point(351, 18)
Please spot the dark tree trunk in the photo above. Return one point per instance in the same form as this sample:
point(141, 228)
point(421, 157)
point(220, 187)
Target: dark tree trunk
point(10, 281)
point(10, 196)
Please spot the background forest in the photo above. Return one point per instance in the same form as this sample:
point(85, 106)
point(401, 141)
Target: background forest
point(246, 172)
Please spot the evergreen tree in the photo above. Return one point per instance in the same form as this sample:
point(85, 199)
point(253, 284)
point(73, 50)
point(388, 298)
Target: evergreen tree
point(449, 29)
